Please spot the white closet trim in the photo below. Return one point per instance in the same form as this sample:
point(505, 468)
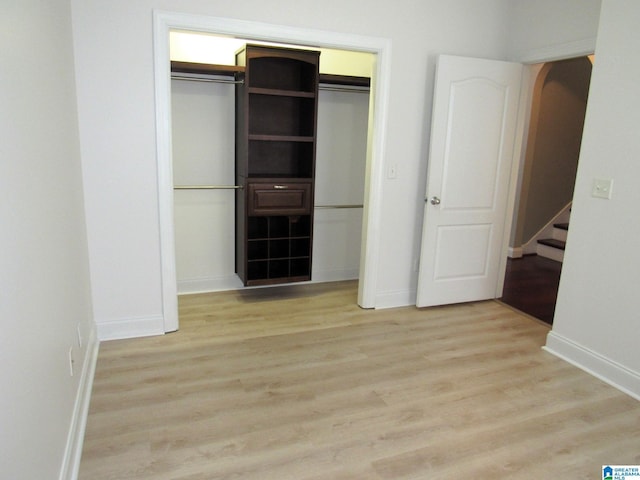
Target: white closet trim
point(163, 22)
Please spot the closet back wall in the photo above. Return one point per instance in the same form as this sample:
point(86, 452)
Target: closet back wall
point(203, 154)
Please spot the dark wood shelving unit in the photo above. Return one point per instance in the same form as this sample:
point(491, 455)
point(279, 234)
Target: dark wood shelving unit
point(276, 115)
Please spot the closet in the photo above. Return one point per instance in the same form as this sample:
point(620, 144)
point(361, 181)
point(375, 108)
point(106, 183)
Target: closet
point(271, 238)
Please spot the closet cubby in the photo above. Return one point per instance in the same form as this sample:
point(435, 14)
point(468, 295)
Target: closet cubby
point(282, 159)
point(280, 68)
point(281, 116)
point(276, 117)
point(278, 247)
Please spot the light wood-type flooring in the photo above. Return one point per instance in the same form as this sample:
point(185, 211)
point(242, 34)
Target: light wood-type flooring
point(300, 383)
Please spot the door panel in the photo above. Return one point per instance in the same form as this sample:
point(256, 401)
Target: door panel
point(462, 251)
point(471, 136)
point(470, 161)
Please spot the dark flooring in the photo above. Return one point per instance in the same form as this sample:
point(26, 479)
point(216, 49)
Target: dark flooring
point(531, 286)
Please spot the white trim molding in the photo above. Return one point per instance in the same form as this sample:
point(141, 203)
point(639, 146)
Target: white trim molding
point(220, 283)
point(75, 437)
point(515, 252)
point(563, 51)
point(595, 364)
point(131, 327)
point(335, 275)
point(396, 298)
point(163, 23)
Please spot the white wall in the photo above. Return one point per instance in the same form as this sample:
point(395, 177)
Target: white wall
point(44, 283)
point(596, 320)
point(340, 177)
point(543, 27)
point(206, 48)
point(114, 63)
point(203, 133)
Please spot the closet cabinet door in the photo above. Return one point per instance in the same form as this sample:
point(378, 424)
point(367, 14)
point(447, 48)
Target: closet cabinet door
point(279, 198)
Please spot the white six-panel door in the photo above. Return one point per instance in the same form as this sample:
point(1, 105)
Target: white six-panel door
point(471, 157)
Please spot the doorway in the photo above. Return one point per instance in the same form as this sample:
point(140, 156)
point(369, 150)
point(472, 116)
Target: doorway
point(558, 108)
point(380, 47)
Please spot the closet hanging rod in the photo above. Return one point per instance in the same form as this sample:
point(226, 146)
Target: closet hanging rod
point(329, 88)
point(205, 79)
point(338, 206)
point(207, 187)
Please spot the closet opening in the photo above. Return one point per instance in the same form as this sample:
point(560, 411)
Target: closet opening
point(379, 47)
point(203, 151)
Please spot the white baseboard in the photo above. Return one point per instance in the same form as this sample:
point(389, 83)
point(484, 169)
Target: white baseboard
point(233, 282)
point(130, 328)
point(515, 252)
point(75, 438)
point(601, 367)
point(400, 298)
point(219, 283)
point(338, 275)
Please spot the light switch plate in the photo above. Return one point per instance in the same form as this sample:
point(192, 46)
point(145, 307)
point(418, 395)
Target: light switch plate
point(602, 188)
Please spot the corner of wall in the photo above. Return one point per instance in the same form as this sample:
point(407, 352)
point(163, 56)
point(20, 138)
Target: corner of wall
point(75, 438)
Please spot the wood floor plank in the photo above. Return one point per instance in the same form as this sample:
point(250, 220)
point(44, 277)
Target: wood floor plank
point(300, 383)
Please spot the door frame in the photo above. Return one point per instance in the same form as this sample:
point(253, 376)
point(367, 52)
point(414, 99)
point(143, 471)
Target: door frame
point(563, 51)
point(163, 23)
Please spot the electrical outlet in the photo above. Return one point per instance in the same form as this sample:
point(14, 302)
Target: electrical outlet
point(71, 361)
point(79, 336)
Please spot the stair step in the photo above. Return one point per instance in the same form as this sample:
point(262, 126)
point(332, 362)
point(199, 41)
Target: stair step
point(552, 242)
point(560, 231)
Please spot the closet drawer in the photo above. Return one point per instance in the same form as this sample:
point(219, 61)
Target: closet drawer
point(279, 198)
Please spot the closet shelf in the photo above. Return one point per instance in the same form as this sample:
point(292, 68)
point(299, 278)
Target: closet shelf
point(281, 138)
point(347, 80)
point(232, 70)
point(281, 93)
point(205, 68)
